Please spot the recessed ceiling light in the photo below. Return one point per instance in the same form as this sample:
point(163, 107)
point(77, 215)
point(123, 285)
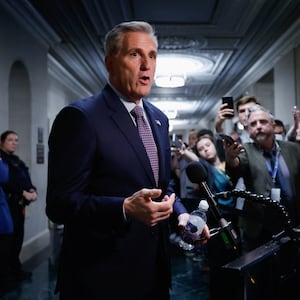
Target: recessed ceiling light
point(173, 69)
point(171, 81)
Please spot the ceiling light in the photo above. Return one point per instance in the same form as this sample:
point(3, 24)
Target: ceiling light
point(180, 104)
point(172, 70)
point(171, 81)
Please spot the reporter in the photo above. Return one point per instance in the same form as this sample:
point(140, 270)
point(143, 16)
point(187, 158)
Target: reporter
point(242, 106)
point(257, 162)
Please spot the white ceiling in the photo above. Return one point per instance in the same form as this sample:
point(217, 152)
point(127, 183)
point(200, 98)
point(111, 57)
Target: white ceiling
point(242, 39)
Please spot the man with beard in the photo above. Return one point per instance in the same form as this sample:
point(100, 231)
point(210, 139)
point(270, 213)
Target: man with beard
point(270, 168)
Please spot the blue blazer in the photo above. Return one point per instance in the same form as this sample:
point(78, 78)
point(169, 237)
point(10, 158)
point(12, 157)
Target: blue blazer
point(6, 222)
point(96, 159)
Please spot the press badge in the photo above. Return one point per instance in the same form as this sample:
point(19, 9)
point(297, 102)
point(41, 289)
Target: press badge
point(275, 194)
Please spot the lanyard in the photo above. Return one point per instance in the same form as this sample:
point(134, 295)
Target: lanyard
point(273, 172)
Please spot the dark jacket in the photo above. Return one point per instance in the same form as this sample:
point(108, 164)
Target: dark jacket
point(96, 159)
point(258, 219)
point(19, 179)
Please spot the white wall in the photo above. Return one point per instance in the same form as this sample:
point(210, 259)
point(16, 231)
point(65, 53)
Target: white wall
point(285, 88)
point(18, 45)
point(47, 97)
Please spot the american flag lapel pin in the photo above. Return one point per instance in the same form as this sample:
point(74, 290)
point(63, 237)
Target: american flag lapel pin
point(158, 122)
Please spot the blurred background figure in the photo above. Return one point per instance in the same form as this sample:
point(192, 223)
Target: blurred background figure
point(292, 132)
point(182, 154)
point(20, 192)
point(206, 149)
point(279, 130)
point(242, 108)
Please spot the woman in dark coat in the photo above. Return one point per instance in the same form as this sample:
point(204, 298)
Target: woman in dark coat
point(20, 192)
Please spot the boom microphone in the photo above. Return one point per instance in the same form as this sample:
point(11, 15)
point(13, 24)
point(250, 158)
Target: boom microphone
point(196, 172)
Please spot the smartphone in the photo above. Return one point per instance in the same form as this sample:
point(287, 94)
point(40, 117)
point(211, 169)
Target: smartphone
point(175, 144)
point(229, 140)
point(229, 101)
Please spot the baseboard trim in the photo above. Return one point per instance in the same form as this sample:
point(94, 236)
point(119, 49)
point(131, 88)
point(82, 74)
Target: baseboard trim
point(35, 245)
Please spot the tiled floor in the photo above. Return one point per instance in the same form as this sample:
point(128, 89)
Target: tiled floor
point(189, 280)
point(42, 283)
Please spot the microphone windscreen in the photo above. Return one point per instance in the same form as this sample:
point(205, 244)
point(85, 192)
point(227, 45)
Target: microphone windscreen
point(196, 172)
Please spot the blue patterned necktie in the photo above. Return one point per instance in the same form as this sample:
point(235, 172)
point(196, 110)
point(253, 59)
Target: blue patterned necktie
point(147, 139)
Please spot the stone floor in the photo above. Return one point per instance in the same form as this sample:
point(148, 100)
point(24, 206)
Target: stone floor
point(189, 282)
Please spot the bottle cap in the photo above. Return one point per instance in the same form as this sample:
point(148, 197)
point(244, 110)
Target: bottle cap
point(203, 205)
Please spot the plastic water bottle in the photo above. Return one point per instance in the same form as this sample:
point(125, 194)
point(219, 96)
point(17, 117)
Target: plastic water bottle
point(194, 226)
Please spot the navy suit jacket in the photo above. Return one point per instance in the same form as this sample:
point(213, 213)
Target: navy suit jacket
point(96, 159)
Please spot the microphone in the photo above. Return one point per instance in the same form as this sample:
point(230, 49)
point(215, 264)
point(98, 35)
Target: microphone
point(197, 173)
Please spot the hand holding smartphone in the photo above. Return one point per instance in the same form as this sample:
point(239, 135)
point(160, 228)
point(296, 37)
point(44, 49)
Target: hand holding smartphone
point(175, 144)
point(229, 101)
point(229, 140)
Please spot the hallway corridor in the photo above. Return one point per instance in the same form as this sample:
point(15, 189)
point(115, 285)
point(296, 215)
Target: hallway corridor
point(189, 280)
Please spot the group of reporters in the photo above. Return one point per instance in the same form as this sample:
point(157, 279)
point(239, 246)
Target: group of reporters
point(102, 189)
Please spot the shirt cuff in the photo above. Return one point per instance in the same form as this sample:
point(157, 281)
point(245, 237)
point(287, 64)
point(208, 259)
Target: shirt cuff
point(124, 214)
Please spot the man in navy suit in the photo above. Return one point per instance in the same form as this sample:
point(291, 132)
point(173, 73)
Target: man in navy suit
point(101, 185)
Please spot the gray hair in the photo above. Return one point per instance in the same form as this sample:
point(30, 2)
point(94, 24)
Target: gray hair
point(256, 108)
point(113, 39)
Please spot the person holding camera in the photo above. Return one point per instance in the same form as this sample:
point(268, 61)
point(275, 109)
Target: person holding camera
point(242, 107)
point(269, 167)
